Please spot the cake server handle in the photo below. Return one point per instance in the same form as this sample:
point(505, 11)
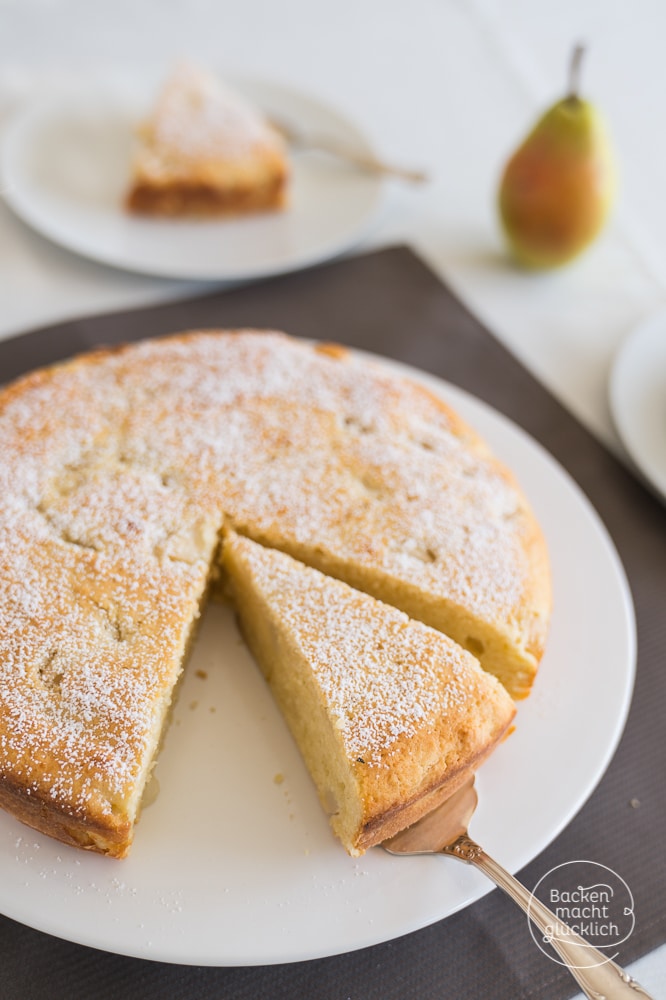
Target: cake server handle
point(598, 976)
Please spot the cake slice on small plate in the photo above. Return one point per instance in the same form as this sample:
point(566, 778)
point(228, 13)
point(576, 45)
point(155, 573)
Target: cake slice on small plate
point(206, 151)
point(390, 715)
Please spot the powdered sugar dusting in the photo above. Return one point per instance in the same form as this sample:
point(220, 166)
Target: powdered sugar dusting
point(381, 675)
point(302, 446)
point(198, 117)
point(116, 474)
point(88, 645)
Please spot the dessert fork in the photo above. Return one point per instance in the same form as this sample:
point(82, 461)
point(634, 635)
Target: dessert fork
point(444, 831)
point(301, 139)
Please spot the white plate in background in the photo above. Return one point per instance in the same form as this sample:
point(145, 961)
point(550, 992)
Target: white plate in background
point(234, 866)
point(66, 167)
point(638, 398)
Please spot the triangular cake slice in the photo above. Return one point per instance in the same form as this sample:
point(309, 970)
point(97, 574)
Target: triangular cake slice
point(205, 150)
point(390, 715)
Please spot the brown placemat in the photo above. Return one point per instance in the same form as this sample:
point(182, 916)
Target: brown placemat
point(388, 302)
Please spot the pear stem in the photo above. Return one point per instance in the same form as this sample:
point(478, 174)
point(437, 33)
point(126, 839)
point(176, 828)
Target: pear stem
point(574, 72)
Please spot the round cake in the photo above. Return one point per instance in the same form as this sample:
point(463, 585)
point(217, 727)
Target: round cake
point(119, 471)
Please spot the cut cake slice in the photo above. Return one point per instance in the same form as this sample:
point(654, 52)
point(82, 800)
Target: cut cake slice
point(205, 150)
point(390, 715)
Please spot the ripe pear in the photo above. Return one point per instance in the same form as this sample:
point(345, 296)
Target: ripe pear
point(558, 187)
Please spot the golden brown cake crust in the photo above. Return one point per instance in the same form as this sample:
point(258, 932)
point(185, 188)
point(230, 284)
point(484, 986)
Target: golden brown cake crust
point(87, 831)
point(398, 817)
point(192, 197)
point(118, 470)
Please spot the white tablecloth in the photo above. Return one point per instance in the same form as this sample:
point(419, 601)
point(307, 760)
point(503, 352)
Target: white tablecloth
point(447, 85)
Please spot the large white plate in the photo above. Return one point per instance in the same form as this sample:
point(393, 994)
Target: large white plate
point(65, 166)
point(232, 866)
point(638, 398)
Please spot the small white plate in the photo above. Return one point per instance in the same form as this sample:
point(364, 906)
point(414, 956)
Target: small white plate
point(638, 398)
point(235, 864)
point(66, 167)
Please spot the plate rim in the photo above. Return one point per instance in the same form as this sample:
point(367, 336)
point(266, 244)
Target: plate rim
point(25, 123)
point(622, 383)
